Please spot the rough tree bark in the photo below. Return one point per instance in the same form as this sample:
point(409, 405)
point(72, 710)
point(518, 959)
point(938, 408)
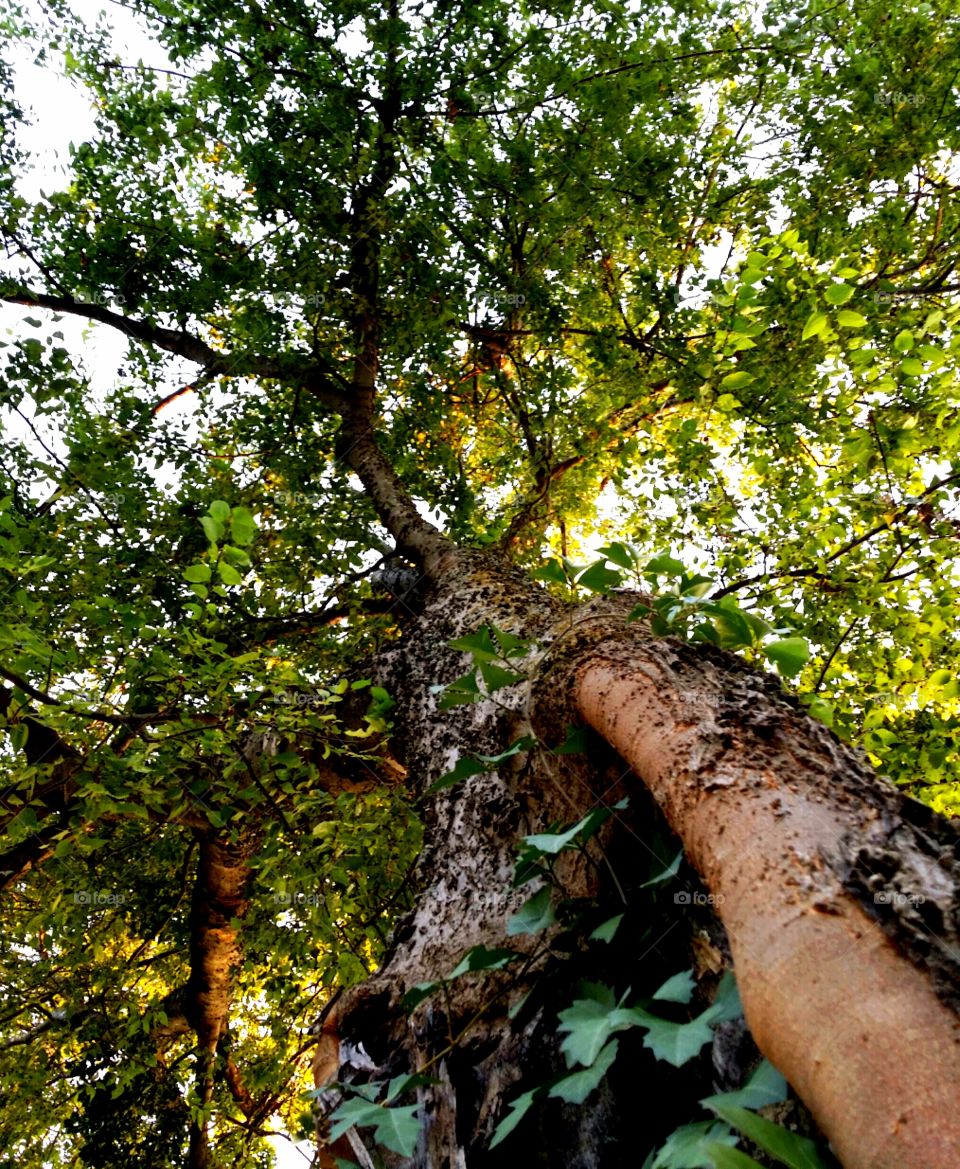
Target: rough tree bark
point(838, 895)
point(854, 998)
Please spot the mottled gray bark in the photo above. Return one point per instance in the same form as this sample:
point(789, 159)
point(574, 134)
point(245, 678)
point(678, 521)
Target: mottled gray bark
point(712, 738)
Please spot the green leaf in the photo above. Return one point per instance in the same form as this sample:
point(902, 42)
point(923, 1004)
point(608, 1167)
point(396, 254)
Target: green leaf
point(678, 989)
point(788, 1148)
point(518, 1110)
point(599, 578)
point(788, 654)
point(838, 293)
point(551, 571)
point(816, 324)
point(496, 677)
point(480, 958)
point(242, 526)
point(850, 319)
point(587, 1026)
point(726, 1005)
point(727, 403)
point(197, 573)
point(574, 744)
point(510, 645)
point(535, 915)
point(665, 875)
point(479, 644)
point(397, 1129)
point(227, 573)
point(460, 691)
point(619, 554)
point(577, 1086)
point(736, 380)
point(676, 1043)
point(687, 1147)
point(724, 1157)
point(765, 1086)
point(417, 993)
point(607, 931)
point(664, 565)
point(465, 767)
point(553, 842)
point(219, 510)
point(212, 529)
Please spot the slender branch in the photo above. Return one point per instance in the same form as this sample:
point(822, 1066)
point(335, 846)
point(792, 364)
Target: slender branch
point(902, 513)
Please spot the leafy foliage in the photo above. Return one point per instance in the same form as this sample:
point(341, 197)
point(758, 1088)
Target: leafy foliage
point(648, 278)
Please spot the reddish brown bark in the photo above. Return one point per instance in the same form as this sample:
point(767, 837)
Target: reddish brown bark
point(765, 806)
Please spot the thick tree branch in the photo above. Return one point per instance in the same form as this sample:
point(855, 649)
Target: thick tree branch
point(297, 366)
point(219, 899)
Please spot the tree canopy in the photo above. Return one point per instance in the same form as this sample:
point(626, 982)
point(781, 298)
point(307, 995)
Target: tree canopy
point(645, 295)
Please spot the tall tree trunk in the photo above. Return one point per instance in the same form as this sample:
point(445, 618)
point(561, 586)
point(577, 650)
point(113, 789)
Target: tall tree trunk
point(837, 894)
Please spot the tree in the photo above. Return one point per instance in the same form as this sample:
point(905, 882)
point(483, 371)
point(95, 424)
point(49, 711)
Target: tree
point(506, 391)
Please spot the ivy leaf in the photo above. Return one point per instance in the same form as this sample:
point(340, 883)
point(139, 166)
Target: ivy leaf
point(607, 931)
point(574, 744)
point(397, 1129)
point(510, 645)
point(675, 1043)
point(479, 644)
point(587, 1025)
point(765, 1086)
point(577, 1086)
point(534, 915)
point(480, 958)
point(678, 989)
point(459, 692)
point(496, 677)
point(553, 842)
point(518, 1110)
point(688, 1146)
point(465, 767)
